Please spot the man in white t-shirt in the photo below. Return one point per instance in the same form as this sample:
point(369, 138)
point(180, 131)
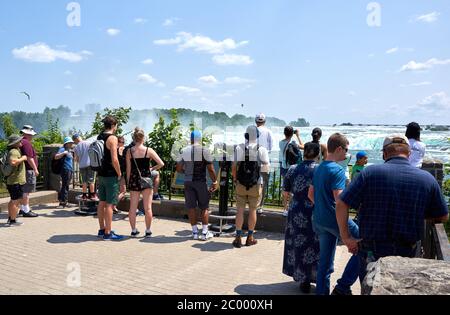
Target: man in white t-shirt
point(265, 140)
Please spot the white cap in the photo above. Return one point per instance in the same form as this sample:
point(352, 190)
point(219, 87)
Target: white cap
point(395, 139)
point(260, 118)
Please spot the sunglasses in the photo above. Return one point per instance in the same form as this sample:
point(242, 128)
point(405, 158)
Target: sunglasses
point(345, 149)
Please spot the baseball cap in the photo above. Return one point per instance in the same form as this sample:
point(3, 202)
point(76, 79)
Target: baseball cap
point(361, 154)
point(395, 139)
point(260, 118)
point(196, 135)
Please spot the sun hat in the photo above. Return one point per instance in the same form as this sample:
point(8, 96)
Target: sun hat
point(28, 130)
point(395, 139)
point(68, 140)
point(14, 139)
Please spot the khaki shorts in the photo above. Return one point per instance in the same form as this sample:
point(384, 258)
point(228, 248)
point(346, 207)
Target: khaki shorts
point(251, 196)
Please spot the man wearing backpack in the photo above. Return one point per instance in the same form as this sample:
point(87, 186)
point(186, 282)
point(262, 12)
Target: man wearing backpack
point(246, 170)
point(109, 175)
point(290, 155)
point(87, 175)
point(14, 170)
point(32, 172)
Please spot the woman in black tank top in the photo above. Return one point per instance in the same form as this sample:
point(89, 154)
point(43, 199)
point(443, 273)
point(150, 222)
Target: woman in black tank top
point(138, 160)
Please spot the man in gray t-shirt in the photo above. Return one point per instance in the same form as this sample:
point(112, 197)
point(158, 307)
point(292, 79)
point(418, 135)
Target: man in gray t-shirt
point(194, 161)
point(86, 173)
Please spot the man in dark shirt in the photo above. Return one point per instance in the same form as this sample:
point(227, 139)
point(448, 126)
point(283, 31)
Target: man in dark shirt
point(393, 199)
point(32, 172)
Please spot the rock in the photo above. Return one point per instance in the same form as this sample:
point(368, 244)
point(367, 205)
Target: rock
point(406, 276)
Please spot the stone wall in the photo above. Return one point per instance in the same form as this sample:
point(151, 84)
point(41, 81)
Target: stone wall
point(405, 276)
point(435, 168)
point(51, 181)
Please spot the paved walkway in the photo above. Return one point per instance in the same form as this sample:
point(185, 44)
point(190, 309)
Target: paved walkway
point(45, 254)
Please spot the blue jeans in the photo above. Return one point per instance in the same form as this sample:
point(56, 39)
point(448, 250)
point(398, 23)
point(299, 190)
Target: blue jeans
point(328, 238)
point(66, 178)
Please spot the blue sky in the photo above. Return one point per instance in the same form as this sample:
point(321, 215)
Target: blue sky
point(288, 58)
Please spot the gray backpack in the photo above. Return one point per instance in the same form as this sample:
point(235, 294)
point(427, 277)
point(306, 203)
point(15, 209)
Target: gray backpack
point(96, 153)
point(5, 168)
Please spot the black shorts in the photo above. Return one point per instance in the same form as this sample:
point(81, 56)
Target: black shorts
point(196, 195)
point(15, 191)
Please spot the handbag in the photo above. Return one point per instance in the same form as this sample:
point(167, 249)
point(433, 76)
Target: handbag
point(144, 182)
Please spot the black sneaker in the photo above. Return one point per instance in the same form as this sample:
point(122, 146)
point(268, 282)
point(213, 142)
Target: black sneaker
point(29, 214)
point(338, 292)
point(12, 223)
point(135, 234)
point(305, 287)
point(148, 234)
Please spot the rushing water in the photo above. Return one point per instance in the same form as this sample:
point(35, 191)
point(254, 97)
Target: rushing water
point(367, 138)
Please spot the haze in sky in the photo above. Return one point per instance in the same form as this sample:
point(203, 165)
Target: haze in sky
point(327, 61)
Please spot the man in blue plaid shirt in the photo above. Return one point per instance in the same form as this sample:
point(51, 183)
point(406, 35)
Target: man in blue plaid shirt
point(393, 199)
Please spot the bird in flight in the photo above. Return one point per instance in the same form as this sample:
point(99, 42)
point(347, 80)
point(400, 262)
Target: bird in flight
point(27, 95)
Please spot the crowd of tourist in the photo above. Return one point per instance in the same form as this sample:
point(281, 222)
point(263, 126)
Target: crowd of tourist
point(392, 200)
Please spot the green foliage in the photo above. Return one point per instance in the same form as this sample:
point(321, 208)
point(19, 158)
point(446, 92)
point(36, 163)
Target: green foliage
point(446, 188)
point(52, 135)
point(8, 126)
point(122, 115)
point(164, 136)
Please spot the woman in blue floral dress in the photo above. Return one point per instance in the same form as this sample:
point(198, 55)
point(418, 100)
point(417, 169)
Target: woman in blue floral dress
point(301, 252)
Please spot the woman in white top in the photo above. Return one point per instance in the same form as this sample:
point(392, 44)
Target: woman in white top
point(418, 148)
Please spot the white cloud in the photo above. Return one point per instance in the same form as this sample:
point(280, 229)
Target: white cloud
point(111, 80)
point(371, 55)
point(87, 53)
point(113, 32)
point(187, 90)
point(42, 53)
point(170, 22)
point(68, 87)
point(201, 43)
point(146, 78)
point(208, 80)
point(392, 50)
point(422, 83)
point(147, 62)
point(68, 72)
point(436, 102)
point(140, 21)
point(238, 80)
point(352, 93)
point(238, 60)
point(161, 85)
point(421, 66)
point(428, 18)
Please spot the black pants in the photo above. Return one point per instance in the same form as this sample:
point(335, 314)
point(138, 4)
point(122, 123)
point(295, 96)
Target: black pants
point(66, 178)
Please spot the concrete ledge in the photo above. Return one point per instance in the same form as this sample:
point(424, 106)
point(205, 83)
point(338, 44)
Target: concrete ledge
point(269, 221)
point(37, 198)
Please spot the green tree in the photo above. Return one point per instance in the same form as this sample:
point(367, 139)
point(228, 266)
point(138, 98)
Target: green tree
point(122, 115)
point(8, 126)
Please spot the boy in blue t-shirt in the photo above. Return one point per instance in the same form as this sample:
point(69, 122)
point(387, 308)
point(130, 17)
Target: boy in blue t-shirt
point(328, 183)
point(67, 170)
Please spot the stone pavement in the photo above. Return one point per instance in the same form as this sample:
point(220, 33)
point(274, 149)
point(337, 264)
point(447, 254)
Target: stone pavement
point(59, 253)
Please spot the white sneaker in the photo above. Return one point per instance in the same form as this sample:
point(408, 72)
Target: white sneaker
point(285, 213)
point(195, 236)
point(260, 211)
point(207, 236)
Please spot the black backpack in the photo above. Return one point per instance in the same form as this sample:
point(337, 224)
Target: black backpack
point(57, 165)
point(249, 171)
point(293, 154)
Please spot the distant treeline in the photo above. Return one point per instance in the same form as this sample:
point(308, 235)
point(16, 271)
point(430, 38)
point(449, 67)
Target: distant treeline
point(82, 120)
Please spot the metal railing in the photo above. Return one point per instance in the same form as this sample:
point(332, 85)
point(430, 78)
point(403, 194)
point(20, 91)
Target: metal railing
point(40, 180)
